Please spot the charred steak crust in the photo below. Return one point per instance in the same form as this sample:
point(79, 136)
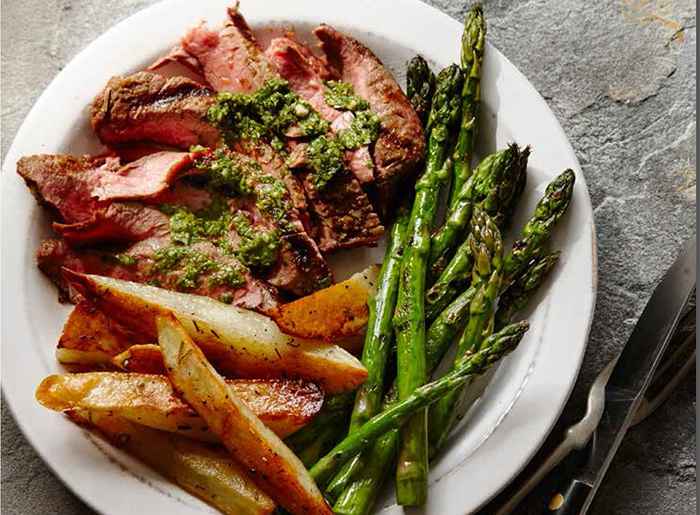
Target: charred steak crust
point(345, 216)
point(399, 150)
point(146, 106)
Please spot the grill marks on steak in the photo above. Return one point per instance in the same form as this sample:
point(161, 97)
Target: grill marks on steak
point(399, 150)
point(344, 216)
point(146, 106)
point(300, 268)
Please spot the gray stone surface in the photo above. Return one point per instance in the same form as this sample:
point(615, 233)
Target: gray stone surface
point(620, 76)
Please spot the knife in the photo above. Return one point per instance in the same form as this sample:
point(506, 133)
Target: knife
point(630, 378)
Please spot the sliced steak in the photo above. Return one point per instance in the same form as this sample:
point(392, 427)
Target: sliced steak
point(55, 255)
point(399, 150)
point(146, 177)
point(305, 73)
point(300, 268)
point(62, 183)
point(333, 217)
point(231, 61)
point(146, 106)
point(80, 191)
point(228, 58)
point(345, 218)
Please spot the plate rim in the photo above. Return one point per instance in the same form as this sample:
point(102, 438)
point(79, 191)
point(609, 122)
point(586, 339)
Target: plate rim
point(16, 408)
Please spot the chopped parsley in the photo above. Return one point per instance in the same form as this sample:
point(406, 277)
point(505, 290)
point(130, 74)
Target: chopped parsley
point(239, 175)
point(341, 96)
point(258, 248)
point(325, 156)
point(273, 113)
point(363, 130)
point(125, 259)
point(269, 114)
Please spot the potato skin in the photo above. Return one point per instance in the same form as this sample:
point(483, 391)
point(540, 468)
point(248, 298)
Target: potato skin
point(282, 405)
point(237, 342)
point(203, 470)
point(277, 470)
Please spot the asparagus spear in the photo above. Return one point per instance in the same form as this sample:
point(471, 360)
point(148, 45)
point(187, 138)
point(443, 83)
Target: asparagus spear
point(473, 42)
point(363, 487)
point(377, 345)
point(455, 276)
point(324, 431)
point(328, 431)
point(538, 229)
point(409, 318)
point(440, 335)
point(474, 363)
point(380, 334)
point(494, 185)
point(359, 496)
point(512, 300)
point(420, 87)
point(487, 249)
point(516, 297)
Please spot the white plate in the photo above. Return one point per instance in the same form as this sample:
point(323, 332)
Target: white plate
point(527, 393)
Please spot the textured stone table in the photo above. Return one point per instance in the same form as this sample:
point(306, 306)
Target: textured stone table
point(620, 76)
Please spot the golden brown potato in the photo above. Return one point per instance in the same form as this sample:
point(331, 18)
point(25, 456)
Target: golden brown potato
point(283, 405)
point(335, 314)
point(278, 471)
point(142, 359)
point(90, 338)
point(205, 471)
point(238, 342)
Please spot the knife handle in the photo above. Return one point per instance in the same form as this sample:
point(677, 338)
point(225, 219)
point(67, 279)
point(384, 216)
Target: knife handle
point(572, 501)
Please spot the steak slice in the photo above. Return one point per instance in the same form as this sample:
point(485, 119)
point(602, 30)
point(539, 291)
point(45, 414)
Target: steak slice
point(228, 58)
point(400, 148)
point(146, 106)
point(55, 255)
point(305, 73)
point(344, 216)
point(80, 191)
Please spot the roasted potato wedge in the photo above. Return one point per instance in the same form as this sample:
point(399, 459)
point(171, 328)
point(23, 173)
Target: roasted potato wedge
point(238, 342)
point(283, 405)
point(90, 338)
point(277, 469)
point(142, 359)
point(203, 470)
point(334, 314)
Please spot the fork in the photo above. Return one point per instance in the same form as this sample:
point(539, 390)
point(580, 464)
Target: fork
point(677, 366)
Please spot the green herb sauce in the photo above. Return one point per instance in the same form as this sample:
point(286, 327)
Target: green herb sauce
point(238, 175)
point(269, 113)
point(341, 96)
point(363, 130)
point(325, 156)
point(274, 111)
point(125, 259)
point(258, 248)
